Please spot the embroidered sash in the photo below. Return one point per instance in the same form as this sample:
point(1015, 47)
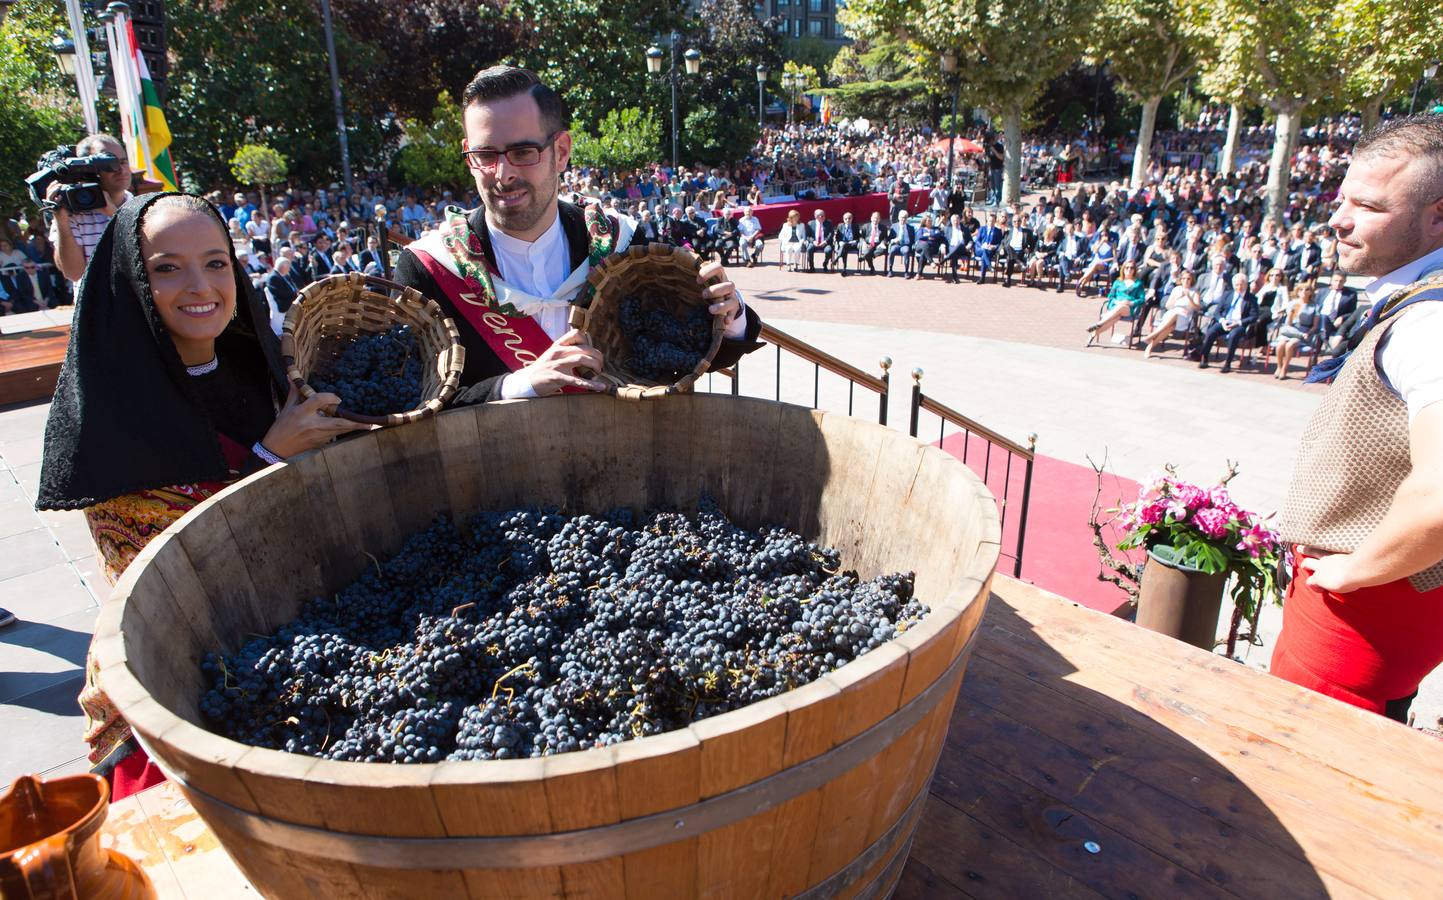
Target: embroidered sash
point(503, 315)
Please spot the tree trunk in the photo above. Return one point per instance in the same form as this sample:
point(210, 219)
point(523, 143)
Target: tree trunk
point(1142, 156)
point(1279, 166)
point(1371, 109)
point(1012, 133)
point(1230, 148)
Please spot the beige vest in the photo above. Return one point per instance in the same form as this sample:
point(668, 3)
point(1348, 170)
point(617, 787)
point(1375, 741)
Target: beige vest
point(1354, 455)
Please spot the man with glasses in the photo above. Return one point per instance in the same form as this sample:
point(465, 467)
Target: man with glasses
point(508, 271)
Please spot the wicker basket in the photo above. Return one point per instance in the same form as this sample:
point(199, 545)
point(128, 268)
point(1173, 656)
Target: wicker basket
point(660, 270)
point(330, 313)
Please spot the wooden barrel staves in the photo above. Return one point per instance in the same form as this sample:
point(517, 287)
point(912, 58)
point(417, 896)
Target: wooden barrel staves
point(811, 793)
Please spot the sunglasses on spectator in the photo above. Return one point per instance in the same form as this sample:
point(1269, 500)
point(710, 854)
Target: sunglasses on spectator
point(486, 160)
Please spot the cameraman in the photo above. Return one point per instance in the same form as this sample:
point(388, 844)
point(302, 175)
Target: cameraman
point(75, 235)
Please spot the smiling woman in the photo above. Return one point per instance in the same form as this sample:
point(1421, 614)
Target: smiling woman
point(170, 391)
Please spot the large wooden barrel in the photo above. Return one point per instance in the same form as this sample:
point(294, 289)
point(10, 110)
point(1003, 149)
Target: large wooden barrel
point(812, 793)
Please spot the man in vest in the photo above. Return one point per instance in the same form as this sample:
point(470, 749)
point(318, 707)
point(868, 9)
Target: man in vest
point(508, 271)
point(1363, 619)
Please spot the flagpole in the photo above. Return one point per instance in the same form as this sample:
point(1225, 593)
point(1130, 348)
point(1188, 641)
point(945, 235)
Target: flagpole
point(336, 97)
point(122, 94)
point(84, 74)
point(126, 92)
point(132, 74)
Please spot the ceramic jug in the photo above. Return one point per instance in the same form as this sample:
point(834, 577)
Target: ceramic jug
point(50, 843)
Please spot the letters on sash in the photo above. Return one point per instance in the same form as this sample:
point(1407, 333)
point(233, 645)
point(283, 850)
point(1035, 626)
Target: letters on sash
point(517, 340)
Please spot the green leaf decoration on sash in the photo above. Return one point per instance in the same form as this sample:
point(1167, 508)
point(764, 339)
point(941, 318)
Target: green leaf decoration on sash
point(470, 256)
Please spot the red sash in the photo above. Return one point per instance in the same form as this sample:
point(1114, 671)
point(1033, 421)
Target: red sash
point(517, 340)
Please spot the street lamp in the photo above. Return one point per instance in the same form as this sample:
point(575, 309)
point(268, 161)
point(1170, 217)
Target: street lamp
point(762, 72)
point(1428, 72)
point(692, 57)
point(795, 83)
point(64, 49)
point(949, 71)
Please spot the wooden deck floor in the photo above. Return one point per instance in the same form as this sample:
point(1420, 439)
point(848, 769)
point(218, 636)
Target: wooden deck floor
point(1088, 757)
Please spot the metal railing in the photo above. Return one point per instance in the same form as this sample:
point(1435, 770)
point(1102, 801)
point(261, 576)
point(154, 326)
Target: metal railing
point(999, 477)
point(1004, 465)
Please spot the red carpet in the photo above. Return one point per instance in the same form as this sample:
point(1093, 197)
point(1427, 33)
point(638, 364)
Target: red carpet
point(1058, 554)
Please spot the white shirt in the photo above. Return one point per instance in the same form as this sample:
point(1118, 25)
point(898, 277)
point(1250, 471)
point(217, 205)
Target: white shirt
point(539, 267)
point(749, 225)
point(1409, 356)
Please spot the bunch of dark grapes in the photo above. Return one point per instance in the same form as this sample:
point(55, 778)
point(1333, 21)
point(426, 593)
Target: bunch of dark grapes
point(535, 633)
point(377, 374)
point(663, 347)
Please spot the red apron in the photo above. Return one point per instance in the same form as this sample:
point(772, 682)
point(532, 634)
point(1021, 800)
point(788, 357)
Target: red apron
point(1366, 647)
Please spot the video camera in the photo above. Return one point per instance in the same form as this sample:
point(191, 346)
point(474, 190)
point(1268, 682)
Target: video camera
point(82, 192)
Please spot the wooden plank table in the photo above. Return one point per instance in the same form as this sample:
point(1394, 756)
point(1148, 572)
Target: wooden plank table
point(30, 363)
point(1088, 757)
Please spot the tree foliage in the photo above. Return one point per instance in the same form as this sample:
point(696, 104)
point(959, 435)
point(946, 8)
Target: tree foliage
point(431, 152)
point(879, 79)
point(256, 72)
point(38, 105)
point(1386, 45)
point(422, 47)
point(591, 51)
point(1147, 45)
point(1006, 53)
point(1283, 56)
point(258, 164)
point(626, 139)
point(732, 42)
point(810, 50)
point(712, 139)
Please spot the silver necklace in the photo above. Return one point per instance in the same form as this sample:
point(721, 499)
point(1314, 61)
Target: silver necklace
point(204, 368)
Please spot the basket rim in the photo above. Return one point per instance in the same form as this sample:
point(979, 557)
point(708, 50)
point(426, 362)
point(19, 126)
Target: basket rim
point(637, 390)
point(345, 288)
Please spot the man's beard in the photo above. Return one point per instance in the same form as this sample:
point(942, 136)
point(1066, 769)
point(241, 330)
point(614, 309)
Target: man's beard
point(525, 216)
point(1371, 264)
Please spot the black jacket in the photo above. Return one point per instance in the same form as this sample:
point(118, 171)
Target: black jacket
point(884, 233)
point(371, 257)
point(1029, 240)
point(1346, 306)
point(281, 290)
point(482, 365)
point(810, 233)
point(22, 296)
point(1248, 315)
point(679, 231)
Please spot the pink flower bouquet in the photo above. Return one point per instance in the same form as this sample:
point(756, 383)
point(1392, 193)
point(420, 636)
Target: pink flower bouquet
point(1203, 529)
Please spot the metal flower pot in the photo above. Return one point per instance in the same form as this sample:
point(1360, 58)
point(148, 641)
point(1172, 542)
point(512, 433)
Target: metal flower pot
point(1178, 600)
